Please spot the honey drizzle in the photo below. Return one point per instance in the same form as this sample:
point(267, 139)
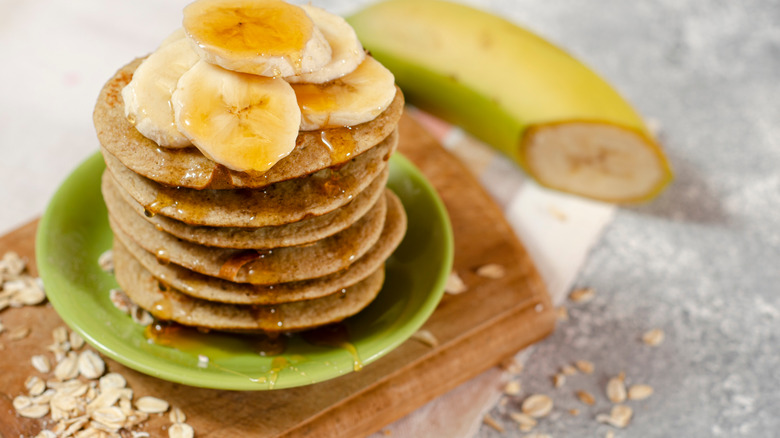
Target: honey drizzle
point(340, 143)
point(230, 268)
point(334, 335)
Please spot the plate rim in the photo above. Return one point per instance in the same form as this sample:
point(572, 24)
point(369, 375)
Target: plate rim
point(178, 373)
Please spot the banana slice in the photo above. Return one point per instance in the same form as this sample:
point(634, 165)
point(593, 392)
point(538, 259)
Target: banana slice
point(148, 95)
point(347, 52)
point(244, 122)
point(261, 37)
point(350, 100)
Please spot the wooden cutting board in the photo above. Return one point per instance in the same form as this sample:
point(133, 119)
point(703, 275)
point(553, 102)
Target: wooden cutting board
point(476, 330)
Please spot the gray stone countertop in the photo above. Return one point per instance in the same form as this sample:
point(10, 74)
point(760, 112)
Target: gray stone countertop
point(702, 262)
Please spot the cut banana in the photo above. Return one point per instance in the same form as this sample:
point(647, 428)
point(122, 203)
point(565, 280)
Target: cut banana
point(355, 98)
point(555, 117)
point(347, 52)
point(148, 95)
point(244, 122)
point(261, 37)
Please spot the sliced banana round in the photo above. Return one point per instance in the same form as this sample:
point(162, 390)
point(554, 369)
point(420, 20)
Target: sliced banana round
point(347, 52)
point(148, 95)
point(261, 37)
point(355, 98)
point(244, 122)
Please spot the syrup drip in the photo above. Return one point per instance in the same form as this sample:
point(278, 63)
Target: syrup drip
point(340, 143)
point(277, 364)
point(334, 335)
point(162, 256)
point(229, 270)
point(167, 199)
point(271, 344)
point(268, 315)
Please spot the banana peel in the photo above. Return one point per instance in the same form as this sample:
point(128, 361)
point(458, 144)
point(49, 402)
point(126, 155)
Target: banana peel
point(563, 124)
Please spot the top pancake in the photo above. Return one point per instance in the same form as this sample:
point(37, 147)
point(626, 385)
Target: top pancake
point(188, 167)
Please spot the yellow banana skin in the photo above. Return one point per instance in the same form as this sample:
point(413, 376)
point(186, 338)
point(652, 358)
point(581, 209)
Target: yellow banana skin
point(497, 80)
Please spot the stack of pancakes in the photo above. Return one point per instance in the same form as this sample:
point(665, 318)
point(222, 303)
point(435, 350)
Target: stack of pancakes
point(299, 246)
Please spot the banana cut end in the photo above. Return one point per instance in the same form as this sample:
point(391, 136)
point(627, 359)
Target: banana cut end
point(597, 160)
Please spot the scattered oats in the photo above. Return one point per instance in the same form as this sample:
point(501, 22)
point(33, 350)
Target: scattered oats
point(620, 416)
point(512, 387)
point(21, 402)
point(426, 338)
point(585, 366)
point(26, 292)
point(60, 334)
point(35, 385)
point(181, 430)
point(34, 411)
point(639, 392)
point(18, 333)
point(120, 300)
point(106, 261)
point(582, 294)
point(45, 397)
point(151, 405)
point(74, 387)
point(76, 425)
point(136, 434)
point(126, 406)
point(91, 365)
point(586, 397)
point(568, 370)
point(64, 402)
point(112, 380)
point(455, 284)
point(46, 434)
point(177, 416)
point(610, 434)
point(492, 271)
point(75, 340)
point(574, 412)
point(203, 361)
point(12, 265)
point(68, 368)
point(4, 303)
point(562, 313)
point(525, 421)
point(141, 316)
point(41, 363)
point(616, 390)
point(559, 380)
point(537, 405)
point(653, 337)
point(512, 366)
point(108, 398)
point(92, 432)
point(111, 417)
point(487, 419)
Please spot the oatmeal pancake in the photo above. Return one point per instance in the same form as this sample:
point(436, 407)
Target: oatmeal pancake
point(216, 289)
point(188, 167)
point(296, 233)
point(150, 294)
point(279, 265)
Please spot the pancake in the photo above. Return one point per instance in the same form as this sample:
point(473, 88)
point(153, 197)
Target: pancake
point(215, 289)
point(277, 204)
point(188, 167)
point(279, 265)
point(296, 233)
point(169, 304)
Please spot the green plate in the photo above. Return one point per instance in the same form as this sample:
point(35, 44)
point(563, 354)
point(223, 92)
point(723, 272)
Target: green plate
point(74, 232)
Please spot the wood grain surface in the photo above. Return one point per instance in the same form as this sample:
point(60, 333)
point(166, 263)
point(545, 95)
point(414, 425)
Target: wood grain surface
point(476, 330)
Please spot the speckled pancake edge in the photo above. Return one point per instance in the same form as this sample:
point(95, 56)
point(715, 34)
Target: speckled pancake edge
point(188, 167)
point(215, 289)
point(147, 292)
point(278, 204)
point(279, 265)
